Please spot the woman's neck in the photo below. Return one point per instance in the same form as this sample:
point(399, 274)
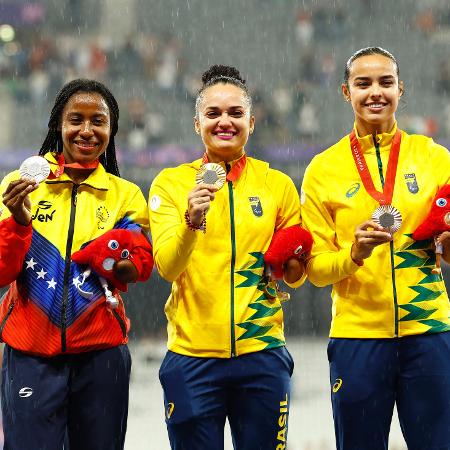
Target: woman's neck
point(365, 128)
point(78, 175)
point(218, 158)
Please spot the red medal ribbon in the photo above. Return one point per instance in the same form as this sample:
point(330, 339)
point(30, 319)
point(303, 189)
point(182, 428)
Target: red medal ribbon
point(235, 171)
point(385, 197)
point(62, 164)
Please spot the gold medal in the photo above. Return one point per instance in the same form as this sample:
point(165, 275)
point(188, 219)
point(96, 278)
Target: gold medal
point(388, 217)
point(211, 173)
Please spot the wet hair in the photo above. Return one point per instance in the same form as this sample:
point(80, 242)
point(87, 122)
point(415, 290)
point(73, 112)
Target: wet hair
point(53, 141)
point(365, 52)
point(222, 74)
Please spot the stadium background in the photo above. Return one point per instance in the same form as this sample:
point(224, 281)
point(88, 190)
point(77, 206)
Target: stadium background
point(151, 53)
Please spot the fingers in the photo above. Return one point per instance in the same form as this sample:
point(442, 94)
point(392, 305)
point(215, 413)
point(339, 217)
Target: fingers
point(368, 235)
point(16, 199)
point(17, 191)
point(199, 200)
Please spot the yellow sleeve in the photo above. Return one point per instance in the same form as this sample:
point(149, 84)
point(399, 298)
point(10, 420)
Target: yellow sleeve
point(173, 241)
point(289, 213)
point(441, 156)
point(327, 263)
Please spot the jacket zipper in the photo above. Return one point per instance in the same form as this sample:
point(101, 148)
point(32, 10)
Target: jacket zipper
point(233, 261)
point(391, 247)
point(121, 322)
point(65, 295)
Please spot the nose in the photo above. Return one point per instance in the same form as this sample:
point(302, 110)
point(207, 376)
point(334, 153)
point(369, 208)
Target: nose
point(224, 121)
point(375, 90)
point(86, 129)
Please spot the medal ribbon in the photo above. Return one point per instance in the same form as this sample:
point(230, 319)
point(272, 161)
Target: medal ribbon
point(235, 171)
point(385, 197)
point(62, 164)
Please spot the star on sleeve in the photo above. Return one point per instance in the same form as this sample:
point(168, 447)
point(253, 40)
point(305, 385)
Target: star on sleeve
point(41, 274)
point(31, 263)
point(51, 284)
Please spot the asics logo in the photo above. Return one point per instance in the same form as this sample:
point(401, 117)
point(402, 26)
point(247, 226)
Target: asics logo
point(170, 408)
point(354, 188)
point(25, 392)
point(337, 385)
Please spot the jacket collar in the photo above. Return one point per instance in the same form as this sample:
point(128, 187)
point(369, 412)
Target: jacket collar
point(98, 179)
point(383, 139)
point(237, 166)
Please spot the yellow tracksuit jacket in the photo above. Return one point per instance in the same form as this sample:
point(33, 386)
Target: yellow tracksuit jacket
point(217, 307)
point(394, 293)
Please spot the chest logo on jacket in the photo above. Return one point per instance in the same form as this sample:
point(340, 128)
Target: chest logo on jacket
point(39, 215)
point(411, 182)
point(102, 215)
point(255, 203)
point(354, 188)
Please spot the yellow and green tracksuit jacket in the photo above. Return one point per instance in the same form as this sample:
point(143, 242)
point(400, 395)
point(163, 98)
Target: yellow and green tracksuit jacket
point(43, 313)
point(217, 307)
point(394, 293)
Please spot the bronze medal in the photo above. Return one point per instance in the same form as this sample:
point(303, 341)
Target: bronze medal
point(211, 173)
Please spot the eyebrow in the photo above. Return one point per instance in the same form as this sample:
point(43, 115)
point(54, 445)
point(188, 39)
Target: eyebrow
point(216, 108)
point(78, 114)
point(383, 77)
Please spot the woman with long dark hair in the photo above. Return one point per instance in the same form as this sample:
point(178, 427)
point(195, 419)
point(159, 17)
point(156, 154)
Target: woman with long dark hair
point(66, 365)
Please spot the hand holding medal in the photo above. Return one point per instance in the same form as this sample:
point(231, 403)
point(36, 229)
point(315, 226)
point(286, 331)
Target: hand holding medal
point(32, 171)
point(209, 178)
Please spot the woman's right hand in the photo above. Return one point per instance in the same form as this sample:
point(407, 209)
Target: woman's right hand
point(368, 235)
point(199, 200)
point(16, 199)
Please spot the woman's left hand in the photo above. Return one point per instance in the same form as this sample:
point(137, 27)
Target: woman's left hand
point(293, 270)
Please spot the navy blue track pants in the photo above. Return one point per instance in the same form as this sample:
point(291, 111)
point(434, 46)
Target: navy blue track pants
point(84, 395)
point(369, 376)
point(252, 391)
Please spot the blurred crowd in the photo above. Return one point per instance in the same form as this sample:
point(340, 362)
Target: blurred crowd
point(36, 63)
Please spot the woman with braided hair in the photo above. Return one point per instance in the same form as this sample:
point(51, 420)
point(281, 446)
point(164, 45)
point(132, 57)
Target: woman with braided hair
point(226, 350)
point(66, 364)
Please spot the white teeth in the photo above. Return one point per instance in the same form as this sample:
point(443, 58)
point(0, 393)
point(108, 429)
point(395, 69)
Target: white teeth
point(375, 105)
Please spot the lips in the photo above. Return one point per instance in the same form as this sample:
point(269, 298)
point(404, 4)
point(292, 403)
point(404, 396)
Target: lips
point(86, 146)
point(225, 135)
point(375, 106)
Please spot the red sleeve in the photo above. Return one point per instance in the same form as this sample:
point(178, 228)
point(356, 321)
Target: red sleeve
point(142, 257)
point(15, 241)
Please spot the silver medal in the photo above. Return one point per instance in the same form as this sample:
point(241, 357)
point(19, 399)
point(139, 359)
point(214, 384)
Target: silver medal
point(388, 217)
point(211, 173)
point(35, 168)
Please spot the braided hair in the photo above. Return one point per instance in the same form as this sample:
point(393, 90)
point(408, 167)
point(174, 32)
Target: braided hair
point(222, 74)
point(53, 141)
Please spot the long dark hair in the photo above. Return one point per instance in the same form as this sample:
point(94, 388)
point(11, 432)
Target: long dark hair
point(53, 141)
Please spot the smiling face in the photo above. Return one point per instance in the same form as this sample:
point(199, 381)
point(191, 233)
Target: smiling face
point(374, 91)
point(85, 127)
point(224, 121)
